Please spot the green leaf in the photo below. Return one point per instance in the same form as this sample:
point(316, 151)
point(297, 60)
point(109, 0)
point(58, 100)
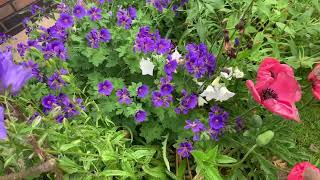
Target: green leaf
point(68, 165)
point(164, 152)
point(65, 147)
point(113, 173)
point(157, 172)
point(223, 159)
point(98, 57)
point(182, 169)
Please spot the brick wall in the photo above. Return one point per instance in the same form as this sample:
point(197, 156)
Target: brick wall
point(12, 12)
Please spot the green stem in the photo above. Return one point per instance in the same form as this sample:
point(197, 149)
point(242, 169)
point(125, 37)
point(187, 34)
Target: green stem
point(242, 160)
point(7, 107)
point(246, 112)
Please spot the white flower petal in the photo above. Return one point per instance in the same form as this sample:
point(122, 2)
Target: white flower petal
point(224, 94)
point(201, 101)
point(176, 55)
point(227, 74)
point(146, 66)
point(237, 73)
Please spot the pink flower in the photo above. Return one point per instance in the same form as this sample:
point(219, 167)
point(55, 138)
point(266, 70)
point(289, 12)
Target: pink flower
point(314, 77)
point(276, 89)
point(297, 172)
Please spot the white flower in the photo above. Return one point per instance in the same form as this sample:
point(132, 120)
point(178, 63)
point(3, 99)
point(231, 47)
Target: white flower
point(227, 73)
point(176, 55)
point(217, 91)
point(201, 101)
point(237, 73)
point(146, 66)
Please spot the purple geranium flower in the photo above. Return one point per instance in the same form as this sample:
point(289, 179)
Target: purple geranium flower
point(105, 88)
point(55, 49)
point(93, 38)
point(105, 35)
point(95, 13)
point(171, 66)
point(143, 91)
point(166, 89)
point(12, 77)
point(63, 100)
point(199, 61)
point(157, 100)
point(49, 101)
point(21, 48)
point(159, 4)
point(187, 103)
point(196, 126)
point(140, 116)
point(55, 82)
point(185, 149)
point(58, 32)
point(3, 38)
point(65, 20)
point(163, 46)
point(124, 96)
point(79, 11)
point(63, 8)
point(3, 130)
point(126, 16)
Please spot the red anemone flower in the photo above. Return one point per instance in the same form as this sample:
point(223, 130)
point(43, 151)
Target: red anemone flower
point(297, 172)
point(276, 89)
point(314, 77)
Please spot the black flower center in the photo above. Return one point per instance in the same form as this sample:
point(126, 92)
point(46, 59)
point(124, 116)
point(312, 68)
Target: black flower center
point(269, 94)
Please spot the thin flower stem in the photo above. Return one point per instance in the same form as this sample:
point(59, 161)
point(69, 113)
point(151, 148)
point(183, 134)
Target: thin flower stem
point(70, 153)
point(189, 169)
point(7, 107)
point(246, 112)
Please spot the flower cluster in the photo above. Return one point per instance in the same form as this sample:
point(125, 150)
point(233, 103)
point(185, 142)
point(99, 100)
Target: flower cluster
point(163, 98)
point(148, 42)
point(187, 103)
point(69, 108)
point(159, 4)
point(94, 37)
point(199, 61)
point(217, 120)
point(126, 16)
